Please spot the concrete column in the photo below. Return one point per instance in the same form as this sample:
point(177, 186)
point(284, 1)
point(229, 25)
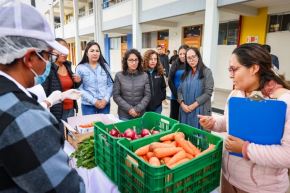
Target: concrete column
point(136, 27)
point(51, 18)
point(76, 26)
point(98, 33)
point(210, 37)
point(61, 10)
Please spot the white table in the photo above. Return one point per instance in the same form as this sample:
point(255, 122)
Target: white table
point(95, 179)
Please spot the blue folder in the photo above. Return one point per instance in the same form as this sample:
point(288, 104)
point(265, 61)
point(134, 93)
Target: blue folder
point(261, 122)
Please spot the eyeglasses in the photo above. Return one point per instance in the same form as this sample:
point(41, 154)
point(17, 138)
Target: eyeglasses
point(48, 55)
point(133, 60)
point(191, 58)
point(232, 69)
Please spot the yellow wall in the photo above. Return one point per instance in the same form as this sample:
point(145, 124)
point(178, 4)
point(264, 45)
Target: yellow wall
point(255, 26)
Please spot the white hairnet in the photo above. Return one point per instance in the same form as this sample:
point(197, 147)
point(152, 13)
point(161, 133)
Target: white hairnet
point(23, 27)
point(14, 47)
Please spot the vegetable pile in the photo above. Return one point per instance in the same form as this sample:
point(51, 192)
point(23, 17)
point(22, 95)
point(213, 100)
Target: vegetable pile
point(85, 154)
point(131, 134)
point(172, 150)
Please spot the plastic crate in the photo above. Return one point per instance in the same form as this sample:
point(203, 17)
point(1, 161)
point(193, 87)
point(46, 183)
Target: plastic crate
point(200, 175)
point(106, 145)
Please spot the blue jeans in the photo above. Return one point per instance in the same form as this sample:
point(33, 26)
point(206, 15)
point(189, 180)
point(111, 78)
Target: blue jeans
point(158, 109)
point(90, 109)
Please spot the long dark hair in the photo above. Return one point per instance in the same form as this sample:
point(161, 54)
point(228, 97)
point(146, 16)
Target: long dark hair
point(250, 54)
point(185, 47)
point(125, 62)
point(102, 61)
point(200, 65)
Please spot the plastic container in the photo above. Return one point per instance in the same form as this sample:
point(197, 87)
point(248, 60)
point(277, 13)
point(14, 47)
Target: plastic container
point(106, 145)
point(199, 175)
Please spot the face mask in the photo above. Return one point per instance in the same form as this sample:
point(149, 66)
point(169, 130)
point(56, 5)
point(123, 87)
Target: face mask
point(54, 58)
point(39, 79)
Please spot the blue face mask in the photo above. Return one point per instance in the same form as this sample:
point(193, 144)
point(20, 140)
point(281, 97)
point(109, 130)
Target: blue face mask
point(39, 79)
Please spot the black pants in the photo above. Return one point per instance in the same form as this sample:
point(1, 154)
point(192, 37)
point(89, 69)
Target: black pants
point(174, 109)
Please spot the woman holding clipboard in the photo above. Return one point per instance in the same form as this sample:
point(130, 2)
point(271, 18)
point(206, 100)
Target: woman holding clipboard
point(263, 168)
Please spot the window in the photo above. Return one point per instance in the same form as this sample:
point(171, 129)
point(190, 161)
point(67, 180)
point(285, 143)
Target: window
point(149, 39)
point(163, 35)
point(279, 22)
point(123, 39)
point(228, 33)
point(82, 12)
point(146, 40)
point(91, 8)
point(115, 43)
point(192, 31)
point(68, 18)
point(192, 35)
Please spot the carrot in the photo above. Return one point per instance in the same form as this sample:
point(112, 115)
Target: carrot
point(189, 156)
point(179, 135)
point(87, 125)
point(174, 143)
point(167, 142)
point(178, 156)
point(179, 162)
point(144, 158)
point(195, 149)
point(154, 161)
point(183, 143)
point(210, 147)
point(166, 159)
point(168, 137)
point(149, 155)
point(142, 150)
point(158, 145)
point(165, 152)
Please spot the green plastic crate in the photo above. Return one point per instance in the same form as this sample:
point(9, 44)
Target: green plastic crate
point(200, 175)
point(106, 145)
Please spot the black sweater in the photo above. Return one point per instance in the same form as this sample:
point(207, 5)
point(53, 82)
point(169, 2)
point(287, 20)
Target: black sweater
point(52, 83)
point(158, 90)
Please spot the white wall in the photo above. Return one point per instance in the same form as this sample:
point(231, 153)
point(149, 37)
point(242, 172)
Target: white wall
point(117, 11)
point(279, 8)
point(149, 4)
point(86, 25)
point(41, 5)
point(280, 46)
point(69, 30)
point(115, 59)
point(220, 70)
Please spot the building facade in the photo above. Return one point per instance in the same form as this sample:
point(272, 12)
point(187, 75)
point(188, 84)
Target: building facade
point(215, 26)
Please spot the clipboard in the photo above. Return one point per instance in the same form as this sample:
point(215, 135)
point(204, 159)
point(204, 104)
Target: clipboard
point(261, 122)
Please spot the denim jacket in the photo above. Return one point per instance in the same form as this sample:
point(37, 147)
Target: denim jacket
point(96, 84)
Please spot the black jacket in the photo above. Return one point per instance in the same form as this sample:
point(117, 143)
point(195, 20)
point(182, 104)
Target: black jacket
point(52, 83)
point(172, 59)
point(158, 90)
point(174, 67)
point(165, 62)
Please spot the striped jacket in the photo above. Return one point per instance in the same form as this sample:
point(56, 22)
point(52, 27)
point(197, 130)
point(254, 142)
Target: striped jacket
point(31, 155)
